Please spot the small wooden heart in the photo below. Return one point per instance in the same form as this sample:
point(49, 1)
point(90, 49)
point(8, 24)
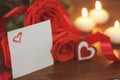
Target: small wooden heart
point(84, 51)
point(17, 39)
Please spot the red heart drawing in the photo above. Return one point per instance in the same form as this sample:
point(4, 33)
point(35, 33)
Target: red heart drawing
point(17, 38)
point(85, 51)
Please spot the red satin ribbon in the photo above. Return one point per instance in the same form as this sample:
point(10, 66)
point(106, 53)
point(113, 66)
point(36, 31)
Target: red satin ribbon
point(105, 44)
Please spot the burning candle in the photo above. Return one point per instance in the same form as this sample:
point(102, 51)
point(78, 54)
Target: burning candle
point(114, 33)
point(84, 23)
point(98, 14)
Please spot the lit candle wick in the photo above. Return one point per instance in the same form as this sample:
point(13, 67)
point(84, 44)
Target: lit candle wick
point(84, 12)
point(84, 23)
point(98, 5)
point(117, 25)
point(99, 14)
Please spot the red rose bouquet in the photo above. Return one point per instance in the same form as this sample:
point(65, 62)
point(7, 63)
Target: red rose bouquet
point(39, 11)
point(64, 36)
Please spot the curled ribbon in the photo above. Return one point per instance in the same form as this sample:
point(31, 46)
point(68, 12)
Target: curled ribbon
point(105, 44)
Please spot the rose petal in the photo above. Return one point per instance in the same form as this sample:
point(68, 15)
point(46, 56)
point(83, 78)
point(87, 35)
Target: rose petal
point(5, 47)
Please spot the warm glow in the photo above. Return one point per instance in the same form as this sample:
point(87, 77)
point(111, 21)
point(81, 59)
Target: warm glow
point(117, 25)
point(98, 5)
point(117, 53)
point(84, 12)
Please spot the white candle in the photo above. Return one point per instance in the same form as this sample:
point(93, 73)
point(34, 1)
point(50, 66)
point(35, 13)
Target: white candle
point(84, 23)
point(98, 14)
point(114, 33)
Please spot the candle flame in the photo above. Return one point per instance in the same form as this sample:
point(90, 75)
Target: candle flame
point(117, 25)
point(98, 5)
point(84, 12)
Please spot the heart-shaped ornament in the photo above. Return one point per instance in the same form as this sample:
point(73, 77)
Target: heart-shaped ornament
point(17, 39)
point(85, 51)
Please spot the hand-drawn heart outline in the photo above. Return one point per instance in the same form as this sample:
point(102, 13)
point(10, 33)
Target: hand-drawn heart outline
point(17, 39)
point(90, 48)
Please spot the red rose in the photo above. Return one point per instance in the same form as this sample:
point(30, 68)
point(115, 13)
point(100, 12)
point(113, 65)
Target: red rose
point(64, 46)
point(2, 31)
point(2, 34)
point(6, 52)
point(42, 10)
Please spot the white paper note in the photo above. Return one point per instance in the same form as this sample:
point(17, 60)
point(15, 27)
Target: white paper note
point(30, 48)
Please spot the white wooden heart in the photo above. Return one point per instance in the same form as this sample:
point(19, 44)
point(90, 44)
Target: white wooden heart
point(91, 49)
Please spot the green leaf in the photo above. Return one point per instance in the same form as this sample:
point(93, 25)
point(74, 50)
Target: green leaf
point(19, 20)
point(66, 3)
point(10, 25)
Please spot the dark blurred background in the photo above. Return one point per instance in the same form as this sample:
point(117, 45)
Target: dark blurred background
point(7, 5)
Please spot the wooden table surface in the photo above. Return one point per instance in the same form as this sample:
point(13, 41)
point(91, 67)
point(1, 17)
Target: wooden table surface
point(98, 68)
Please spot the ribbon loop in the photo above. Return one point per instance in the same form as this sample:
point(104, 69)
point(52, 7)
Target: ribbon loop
point(105, 44)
